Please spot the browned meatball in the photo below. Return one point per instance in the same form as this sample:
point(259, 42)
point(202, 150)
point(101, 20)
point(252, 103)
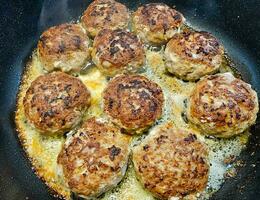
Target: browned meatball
point(133, 102)
point(55, 102)
point(157, 23)
point(117, 51)
point(191, 55)
point(105, 14)
point(222, 105)
point(171, 163)
point(64, 48)
point(94, 159)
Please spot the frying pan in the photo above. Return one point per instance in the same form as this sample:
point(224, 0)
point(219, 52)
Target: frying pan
point(235, 23)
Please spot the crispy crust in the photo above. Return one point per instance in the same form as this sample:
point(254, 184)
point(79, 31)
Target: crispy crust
point(54, 188)
point(55, 102)
point(133, 102)
point(64, 47)
point(94, 159)
point(191, 55)
point(156, 22)
point(222, 105)
point(171, 162)
point(117, 51)
point(103, 14)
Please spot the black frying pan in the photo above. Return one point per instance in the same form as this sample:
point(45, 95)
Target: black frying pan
point(235, 23)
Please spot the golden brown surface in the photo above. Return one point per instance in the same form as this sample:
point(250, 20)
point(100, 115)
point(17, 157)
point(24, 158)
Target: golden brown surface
point(191, 55)
point(117, 51)
point(133, 102)
point(105, 14)
point(64, 47)
point(171, 162)
point(222, 105)
point(55, 102)
point(156, 22)
point(42, 150)
point(94, 159)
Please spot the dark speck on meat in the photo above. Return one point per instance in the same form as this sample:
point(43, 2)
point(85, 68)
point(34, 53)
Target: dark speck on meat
point(113, 151)
point(161, 139)
point(61, 48)
point(49, 113)
point(144, 95)
point(135, 83)
point(110, 103)
point(113, 50)
point(43, 40)
point(153, 107)
point(146, 147)
point(67, 87)
point(67, 101)
point(190, 138)
point(77, 41)
point(165, 26)
point(152, 22)
point(63, 122)
point(176, 17)
point(113, 42)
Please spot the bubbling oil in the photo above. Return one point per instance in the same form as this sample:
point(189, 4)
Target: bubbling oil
point(43, 151)
point(176, 93)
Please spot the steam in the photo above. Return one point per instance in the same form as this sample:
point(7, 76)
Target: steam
point(53, 13)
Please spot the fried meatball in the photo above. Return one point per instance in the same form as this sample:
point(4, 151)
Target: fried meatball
point(133, 102)
point(191, 55)
point(117, 51)
point(171, 162)
point(55, 102)
point(222, 105)
point(94, 159)
point(64, 48)
point(105, 14)
point(156, 23)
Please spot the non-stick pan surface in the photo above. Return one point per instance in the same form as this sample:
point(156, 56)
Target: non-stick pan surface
point(235, 23)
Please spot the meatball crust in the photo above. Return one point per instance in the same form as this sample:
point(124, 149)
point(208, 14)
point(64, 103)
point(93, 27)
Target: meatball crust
point(105, 14)
point(222, 105)
point(94, 159)
point(171, 162)
point(64, 47)
point(117, 51)
point(191, 55)
point(156, 23)
point(55, 102)
point(133, 102)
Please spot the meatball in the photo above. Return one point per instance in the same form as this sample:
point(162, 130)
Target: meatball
point(171, 162)
point(191, 55)
point(222, 105)
point(156, 23)
point(105, 14)
point(64, 48)
point(55, 102)
point(94, 159)
point(117, 51)
point(133, 102)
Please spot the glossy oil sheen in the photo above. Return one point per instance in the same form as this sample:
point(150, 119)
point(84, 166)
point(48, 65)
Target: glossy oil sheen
point(235, 23)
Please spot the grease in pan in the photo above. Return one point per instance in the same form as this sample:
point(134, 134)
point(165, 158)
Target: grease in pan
point(43, 150)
